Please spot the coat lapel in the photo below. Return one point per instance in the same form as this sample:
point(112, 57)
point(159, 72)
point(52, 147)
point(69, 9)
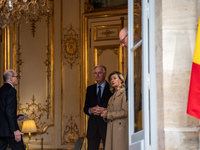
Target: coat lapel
point(95, 93)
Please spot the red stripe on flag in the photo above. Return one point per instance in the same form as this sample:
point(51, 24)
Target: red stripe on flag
point(193, 108)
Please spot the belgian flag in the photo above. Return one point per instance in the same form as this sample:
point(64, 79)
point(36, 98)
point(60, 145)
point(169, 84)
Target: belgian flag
point(193, 107)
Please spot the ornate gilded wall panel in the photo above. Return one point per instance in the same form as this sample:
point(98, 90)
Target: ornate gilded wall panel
point(33, 59)
point(71, 45)
point(70, 50)
point(71, 129)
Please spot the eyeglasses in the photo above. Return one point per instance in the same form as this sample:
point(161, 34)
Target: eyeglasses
point(122, 41)
point(16, 77)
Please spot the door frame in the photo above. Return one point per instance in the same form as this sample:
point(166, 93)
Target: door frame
point(84, 59)
point(146, 138)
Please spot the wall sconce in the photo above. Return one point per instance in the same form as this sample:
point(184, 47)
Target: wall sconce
point(29, 127)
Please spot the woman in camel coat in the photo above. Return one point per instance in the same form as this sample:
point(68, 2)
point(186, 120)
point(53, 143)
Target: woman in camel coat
point(116, 114)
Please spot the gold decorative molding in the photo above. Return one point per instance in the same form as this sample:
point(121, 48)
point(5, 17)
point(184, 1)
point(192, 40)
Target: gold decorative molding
point(36, 112)
point(88, 7)
point(14, 45)
point(6, 48)
point(116, 50)
point(18, 65)
point(101, 50)
point(109, 32)
point(2, 4)
point(71, 45)
point(33, 25)
point(36, 19)
point(91, 7)
point(71, 130)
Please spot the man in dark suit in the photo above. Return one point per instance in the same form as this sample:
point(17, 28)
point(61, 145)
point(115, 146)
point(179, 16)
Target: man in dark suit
point(97, 97)
point(9, 130)
point(123, 37)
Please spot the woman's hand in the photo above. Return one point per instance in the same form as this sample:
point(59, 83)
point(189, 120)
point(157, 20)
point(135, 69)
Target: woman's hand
point(104, 114)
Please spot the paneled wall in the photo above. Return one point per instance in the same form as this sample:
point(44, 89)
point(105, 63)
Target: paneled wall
point(70, 80)
point(50, 57)
point(174, 61)
point(45, 53)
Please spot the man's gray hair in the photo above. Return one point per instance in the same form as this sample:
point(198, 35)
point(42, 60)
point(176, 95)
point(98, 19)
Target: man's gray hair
point(7, 75)
point(104, 68)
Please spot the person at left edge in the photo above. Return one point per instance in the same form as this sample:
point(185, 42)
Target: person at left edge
point(96, 126)
point(9, 129)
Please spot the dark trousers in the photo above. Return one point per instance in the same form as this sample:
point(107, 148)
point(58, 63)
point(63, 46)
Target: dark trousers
point(4, 141)
point(94, 142)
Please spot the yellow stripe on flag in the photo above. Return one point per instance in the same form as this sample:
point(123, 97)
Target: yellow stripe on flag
point(196, 58)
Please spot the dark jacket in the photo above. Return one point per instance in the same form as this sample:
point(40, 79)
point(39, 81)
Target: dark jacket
point(8, 111)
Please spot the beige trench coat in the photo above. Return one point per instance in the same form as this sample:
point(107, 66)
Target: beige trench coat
point(117, 122)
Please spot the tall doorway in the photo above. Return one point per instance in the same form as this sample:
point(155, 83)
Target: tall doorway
point(146, 137)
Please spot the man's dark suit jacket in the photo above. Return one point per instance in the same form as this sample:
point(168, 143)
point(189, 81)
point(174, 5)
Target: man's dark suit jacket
point(8, 111)
point(126, 83)
point(96, 123)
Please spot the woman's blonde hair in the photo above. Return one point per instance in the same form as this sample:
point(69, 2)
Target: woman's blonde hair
point(121, 77)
